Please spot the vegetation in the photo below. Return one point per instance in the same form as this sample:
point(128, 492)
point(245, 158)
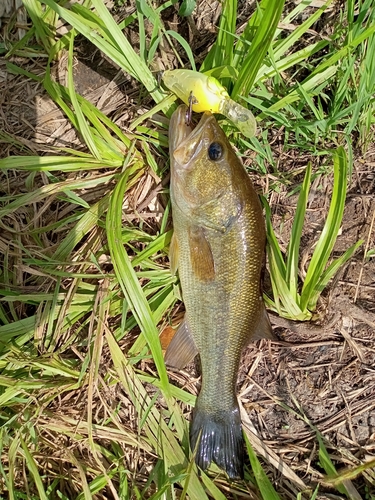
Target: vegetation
point(84, 295)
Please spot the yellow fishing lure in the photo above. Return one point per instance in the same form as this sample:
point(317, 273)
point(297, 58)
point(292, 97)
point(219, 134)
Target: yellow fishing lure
point(205, 93)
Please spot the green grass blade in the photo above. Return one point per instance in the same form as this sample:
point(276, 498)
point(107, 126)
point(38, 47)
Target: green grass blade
point(331, 271)
point(82, 124)
point(160, 436)
point(12, 454)
point(349, 473)
point(265, 72)
point(43, 22)
point(184, 44)
point(286, 302)
point(95, 486)
point(344, 52)
point(284, 45)
point(111, 41)
point(129, 281)
point(187, 7)
point(264, 484)
point(54, 163)
point(85, 486)
point(295, 238)
point(222, 51)
point(211, 487)
point(33, 468)
point(265, 29)
point(310, 84)
point(330, 231)
point(327, 464)
point(85, 224)
point(272, 241)
point(50, 189)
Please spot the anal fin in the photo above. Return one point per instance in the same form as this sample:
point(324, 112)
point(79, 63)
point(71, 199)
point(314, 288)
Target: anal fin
point(264, 328)
point(182, 349)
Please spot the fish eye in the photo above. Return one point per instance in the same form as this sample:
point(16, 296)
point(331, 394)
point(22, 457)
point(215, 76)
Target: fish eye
point(215, 151)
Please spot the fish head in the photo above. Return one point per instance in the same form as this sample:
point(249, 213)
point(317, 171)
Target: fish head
point(205, 171)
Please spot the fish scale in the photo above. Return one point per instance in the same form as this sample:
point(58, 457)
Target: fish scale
point(218, 248)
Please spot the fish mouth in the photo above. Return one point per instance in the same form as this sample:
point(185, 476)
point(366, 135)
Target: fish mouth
point(185, 140)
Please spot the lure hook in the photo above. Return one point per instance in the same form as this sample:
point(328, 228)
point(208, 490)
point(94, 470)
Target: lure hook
point(191, 101)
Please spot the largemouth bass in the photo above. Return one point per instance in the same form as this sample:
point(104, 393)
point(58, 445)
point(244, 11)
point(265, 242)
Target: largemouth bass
point(218, 248)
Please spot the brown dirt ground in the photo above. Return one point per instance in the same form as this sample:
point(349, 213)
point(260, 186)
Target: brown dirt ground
point(316, 377)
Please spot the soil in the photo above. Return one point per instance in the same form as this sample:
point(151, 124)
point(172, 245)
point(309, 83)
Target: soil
point(318, 377)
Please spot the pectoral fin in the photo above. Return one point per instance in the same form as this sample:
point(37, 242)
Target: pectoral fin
point(264, 328)
point(182, 349)
point(202, 260)
point(173, 254)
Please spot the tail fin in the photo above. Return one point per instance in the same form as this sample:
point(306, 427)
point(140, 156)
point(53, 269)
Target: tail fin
point(219, 438)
